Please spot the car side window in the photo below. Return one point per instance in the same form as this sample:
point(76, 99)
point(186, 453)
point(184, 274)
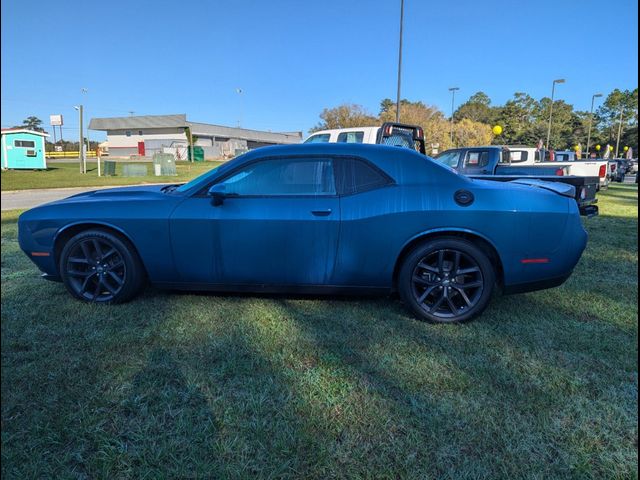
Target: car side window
point(351, 137)
point(354, 175)
point(283, 176)
point(517, 156)
point(477, 158)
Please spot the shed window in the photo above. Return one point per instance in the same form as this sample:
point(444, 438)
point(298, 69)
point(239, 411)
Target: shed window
point(24, 143)
point(139, 132)
point(128, 133)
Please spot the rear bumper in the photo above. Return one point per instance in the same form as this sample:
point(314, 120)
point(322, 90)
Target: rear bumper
point(537, 285)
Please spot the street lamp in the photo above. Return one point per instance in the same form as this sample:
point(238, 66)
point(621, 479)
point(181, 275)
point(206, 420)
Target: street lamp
point(399, 61)
point(553, 89)
point(619, 130)
point(81, 140)
point(239, 92)
point(593, 98)
point(453, 96)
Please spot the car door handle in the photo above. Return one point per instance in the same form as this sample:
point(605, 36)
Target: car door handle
point(321, 213)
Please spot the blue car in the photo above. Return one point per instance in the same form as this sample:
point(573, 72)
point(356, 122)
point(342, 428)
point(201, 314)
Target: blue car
point(315, 218)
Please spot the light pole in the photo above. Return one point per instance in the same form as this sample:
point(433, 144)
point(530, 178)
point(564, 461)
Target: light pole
point(453, 96)
point(81, 139)
point(399, 61)
point(553, 90)
point(619, 131)
point(593, 99)
point(239, 92)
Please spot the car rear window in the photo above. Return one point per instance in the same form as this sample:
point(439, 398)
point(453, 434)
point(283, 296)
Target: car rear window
point(354, 175)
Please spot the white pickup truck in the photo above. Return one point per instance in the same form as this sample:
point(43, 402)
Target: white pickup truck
point(579, 168)
point(390, 133)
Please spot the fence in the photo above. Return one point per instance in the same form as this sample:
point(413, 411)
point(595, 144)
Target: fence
point(76, 154)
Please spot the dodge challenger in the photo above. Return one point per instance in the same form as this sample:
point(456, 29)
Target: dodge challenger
point(315, 218)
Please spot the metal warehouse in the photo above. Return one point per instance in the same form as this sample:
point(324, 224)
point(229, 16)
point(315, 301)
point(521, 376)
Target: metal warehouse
point(148, 134)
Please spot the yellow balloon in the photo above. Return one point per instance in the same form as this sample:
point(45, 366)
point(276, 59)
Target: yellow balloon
point(626, 148)
point(497, 130)
point(576, 148)
point(611, 147)
point(598, 147)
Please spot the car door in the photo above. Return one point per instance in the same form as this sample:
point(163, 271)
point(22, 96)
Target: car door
point(278, 223)
point(476, 162)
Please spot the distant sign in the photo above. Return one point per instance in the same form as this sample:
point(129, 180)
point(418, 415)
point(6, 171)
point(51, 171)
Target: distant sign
point(58, 148)
point(55, 120)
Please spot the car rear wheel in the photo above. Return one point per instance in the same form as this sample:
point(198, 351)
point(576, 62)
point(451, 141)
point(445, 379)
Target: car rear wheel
point(100, 267)
point(447, 280)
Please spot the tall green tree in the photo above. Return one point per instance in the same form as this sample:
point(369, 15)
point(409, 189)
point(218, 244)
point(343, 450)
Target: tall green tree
point(619, 104)
point(345, 116)
point(477, 108)
point(32, 123)
point(518, 118)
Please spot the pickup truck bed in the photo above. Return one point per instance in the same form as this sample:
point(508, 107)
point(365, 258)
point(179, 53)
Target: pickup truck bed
point(494, 163)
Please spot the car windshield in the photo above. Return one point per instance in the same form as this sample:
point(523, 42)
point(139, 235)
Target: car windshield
point(319, 138)
point(195, 181)
point(450, 159)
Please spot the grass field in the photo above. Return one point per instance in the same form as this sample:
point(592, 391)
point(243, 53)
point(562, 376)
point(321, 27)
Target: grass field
point(543, 385)
point(68, 175)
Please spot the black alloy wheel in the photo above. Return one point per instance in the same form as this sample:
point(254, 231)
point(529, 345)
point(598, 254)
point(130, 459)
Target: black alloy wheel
point(447, 280)
point(97, 266)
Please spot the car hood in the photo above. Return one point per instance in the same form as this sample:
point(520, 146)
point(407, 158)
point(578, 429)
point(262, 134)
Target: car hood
point(139, 192)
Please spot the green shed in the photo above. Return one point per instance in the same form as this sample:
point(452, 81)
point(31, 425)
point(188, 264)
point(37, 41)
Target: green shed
point(22, 148)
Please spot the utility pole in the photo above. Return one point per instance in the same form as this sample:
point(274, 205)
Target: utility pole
point(399, 61)
point(453, 96)
point(593, 98)
point(619, 131)
point(81, 141)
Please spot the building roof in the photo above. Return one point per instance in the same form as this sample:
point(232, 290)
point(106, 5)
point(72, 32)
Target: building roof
point(197, 129)
point(205, 129)
point(140, 121)
point(23, 130)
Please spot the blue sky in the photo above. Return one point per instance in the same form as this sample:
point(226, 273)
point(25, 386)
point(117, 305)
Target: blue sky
point(293, 58)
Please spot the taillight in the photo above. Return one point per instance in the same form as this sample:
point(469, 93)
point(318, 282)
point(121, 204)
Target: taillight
point(603, 171)
point(613, 167)
point(559, 172)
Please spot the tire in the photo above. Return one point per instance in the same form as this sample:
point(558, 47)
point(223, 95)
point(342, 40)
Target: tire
point(427, 284)
point(100, 267)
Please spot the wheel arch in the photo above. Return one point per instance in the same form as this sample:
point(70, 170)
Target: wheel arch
point(71, 230)
point(476, 238)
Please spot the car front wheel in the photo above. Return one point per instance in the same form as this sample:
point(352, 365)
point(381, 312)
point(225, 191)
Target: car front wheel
point(447, 280)
point(100, 267)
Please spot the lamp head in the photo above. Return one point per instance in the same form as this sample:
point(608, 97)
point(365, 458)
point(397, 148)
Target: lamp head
point(560, 80)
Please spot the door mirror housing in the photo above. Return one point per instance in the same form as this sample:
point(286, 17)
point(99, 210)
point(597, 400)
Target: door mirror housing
point(218, 193)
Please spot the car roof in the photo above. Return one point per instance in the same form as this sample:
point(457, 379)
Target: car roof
point(349, 129)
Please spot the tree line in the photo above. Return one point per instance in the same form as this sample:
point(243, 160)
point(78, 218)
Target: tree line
point(524, 120)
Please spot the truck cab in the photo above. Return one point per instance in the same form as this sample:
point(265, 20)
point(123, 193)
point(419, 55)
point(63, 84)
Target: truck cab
point(389, 133)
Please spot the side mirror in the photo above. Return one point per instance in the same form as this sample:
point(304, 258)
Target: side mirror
point(218, 193)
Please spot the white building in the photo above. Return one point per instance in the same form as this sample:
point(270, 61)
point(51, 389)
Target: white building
point(145, 135)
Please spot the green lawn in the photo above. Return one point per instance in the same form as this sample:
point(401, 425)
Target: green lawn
point(543, 385)
point(60, 175)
